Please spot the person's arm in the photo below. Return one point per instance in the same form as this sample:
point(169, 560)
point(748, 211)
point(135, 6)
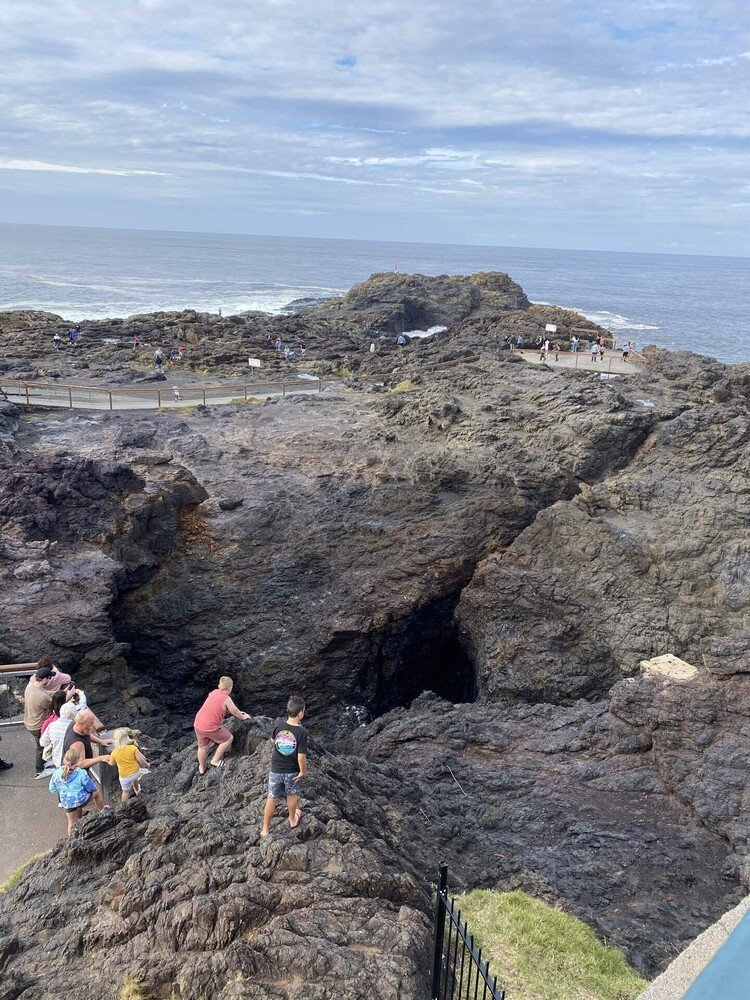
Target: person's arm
point(302, 762)
point(141, 759)
point(97, 739)
point(87, 762)
point(233, 710)
point(45, 739)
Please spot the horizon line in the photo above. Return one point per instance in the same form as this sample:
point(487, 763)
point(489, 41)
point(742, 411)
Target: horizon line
point(356, 239)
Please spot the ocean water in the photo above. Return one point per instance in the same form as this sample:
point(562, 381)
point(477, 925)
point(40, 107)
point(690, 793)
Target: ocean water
point(697, 303)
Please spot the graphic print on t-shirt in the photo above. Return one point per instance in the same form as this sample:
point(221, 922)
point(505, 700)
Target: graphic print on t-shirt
point(285, 742)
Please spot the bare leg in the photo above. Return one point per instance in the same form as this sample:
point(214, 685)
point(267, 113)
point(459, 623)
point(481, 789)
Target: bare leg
point(268, 816)
point(202, 759)
point(73, 818)
point(136, 787)
point(98, 800)
point(125, 796)
point(221, 750)
point(291, 805)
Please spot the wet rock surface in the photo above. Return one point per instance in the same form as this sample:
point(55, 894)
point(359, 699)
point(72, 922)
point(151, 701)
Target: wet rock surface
point(513, 538)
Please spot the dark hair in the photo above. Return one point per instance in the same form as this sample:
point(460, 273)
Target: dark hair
point(44, 662)
point(294, 706)
point(43, 673)
point(58, 700)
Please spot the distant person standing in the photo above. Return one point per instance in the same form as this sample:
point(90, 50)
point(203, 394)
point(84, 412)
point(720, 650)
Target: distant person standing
point(37, 704)
point(57, 341)
point(574, 344)
point(180, 351)
point(556, 349)
point(288, 764)
point(626, 350)
point(73, 334)
point(209, 724)
point(602, 346)
point(595, 351)
point(136, 341)
point(519, 343)
point(159, 360)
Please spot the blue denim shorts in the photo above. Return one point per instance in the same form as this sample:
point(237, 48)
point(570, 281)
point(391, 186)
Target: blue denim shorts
point(282, 784)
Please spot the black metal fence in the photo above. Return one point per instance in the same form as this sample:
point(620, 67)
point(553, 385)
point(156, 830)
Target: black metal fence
point(458, 972)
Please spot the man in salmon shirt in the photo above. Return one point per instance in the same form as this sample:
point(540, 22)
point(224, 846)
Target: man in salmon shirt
point(209, 724)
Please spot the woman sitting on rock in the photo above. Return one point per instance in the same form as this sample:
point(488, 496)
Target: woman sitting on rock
point(209, 724)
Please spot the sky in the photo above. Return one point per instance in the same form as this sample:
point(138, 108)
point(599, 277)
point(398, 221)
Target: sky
point(613, 125)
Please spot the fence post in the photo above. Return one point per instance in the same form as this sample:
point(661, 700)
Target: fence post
point(576, 364)
point(158, 398)
point(204, 397)
point(110, 400)
point(439, 931)
point(609, 369)
point(27, 394)
point(70, 397)
point(246, 393)
point(283, 388)
point(320, 385)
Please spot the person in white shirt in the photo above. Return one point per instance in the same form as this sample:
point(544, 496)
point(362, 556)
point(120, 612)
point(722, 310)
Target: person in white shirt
point(54, 734)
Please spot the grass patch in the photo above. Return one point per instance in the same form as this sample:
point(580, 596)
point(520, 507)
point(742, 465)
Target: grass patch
point(404, 386)
point(12, 880)
point(541, 953)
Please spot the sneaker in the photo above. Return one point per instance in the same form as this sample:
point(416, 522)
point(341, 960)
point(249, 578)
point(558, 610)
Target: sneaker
point(5, 765)
point(41, 774)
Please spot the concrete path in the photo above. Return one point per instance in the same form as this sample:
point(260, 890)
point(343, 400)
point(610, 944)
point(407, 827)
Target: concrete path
point(30, 822)
point(612, 363)
point(677, 978)
point(161, 396)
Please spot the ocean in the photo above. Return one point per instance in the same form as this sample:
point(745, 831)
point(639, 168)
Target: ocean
point(700, 304)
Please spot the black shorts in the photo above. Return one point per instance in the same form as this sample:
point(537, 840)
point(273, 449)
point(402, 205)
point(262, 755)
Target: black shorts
point(81, 806)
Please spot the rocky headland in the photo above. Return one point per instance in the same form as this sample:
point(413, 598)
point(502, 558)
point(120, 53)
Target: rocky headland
point(463, 571)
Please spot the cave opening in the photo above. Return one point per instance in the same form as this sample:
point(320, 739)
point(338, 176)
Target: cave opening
point(422, 652)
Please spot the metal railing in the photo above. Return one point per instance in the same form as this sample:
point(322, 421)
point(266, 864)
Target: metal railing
point(98, 397)
point(13, 680)
point(459, 972)
point(581, 361)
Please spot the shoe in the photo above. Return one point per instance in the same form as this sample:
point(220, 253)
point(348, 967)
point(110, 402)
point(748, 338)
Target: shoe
point(5, 765)
point(41, 774)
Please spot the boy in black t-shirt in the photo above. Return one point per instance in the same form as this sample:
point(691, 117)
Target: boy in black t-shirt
point(288, 764)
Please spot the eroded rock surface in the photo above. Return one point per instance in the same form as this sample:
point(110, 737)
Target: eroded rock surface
point(517, 534)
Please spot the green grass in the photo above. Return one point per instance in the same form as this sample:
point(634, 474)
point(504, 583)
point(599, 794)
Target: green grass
point(541, 953)
point(404, 386)
point(12, 880)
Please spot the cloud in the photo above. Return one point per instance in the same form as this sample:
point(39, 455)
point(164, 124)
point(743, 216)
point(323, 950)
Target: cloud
point(515, 116)
point(64, 168)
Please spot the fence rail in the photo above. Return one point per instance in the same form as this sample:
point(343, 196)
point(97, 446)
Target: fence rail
point(13, 679)
point(99, 397)
point(459, 972)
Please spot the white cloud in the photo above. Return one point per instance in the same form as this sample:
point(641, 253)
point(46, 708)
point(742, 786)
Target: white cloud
point(65, 168)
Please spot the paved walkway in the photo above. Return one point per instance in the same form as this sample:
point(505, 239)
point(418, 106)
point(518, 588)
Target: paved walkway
point(161, 396)
point(30, 821)
point(685, 969)
point(581, 360)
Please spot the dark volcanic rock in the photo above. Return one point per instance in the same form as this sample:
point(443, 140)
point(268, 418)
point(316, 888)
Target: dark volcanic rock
point(393, 302)
point(173, 895)
point(519, 534)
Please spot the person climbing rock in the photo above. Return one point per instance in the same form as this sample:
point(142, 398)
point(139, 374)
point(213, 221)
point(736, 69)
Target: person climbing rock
point(209, 724)
point(288, 764)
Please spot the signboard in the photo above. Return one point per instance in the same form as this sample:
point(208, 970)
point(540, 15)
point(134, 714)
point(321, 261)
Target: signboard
point(551, 328)
point(254, 362)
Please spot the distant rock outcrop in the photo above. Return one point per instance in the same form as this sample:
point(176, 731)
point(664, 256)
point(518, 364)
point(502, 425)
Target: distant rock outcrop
point(391, 302)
